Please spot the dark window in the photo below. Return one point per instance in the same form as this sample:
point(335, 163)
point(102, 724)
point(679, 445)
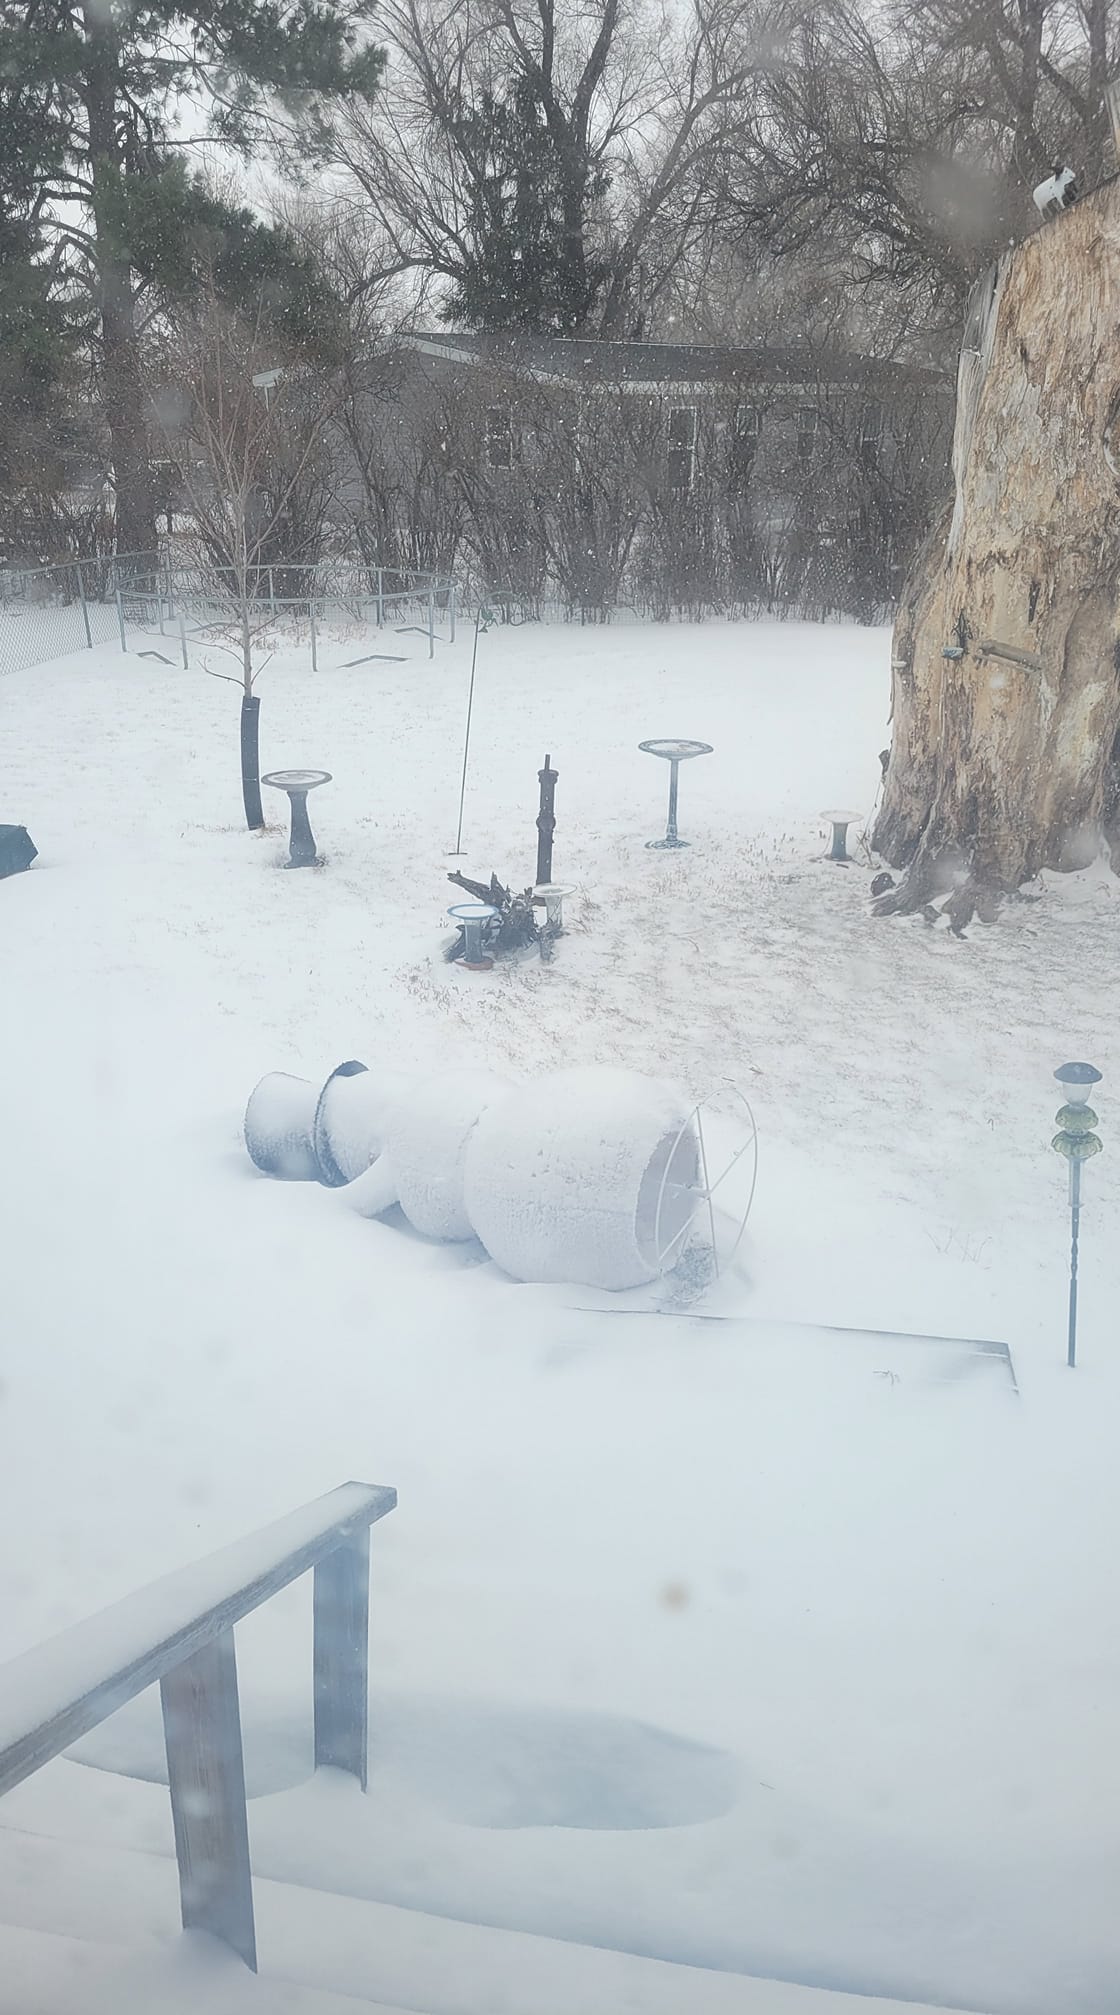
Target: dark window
point(745, 433)
point(682, 449)
point(499, 437)
point(748, 424)
point(808, 429)
point(871, 430)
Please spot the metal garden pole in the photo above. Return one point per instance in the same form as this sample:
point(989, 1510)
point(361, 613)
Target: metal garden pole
point(85, 607)
point(481, 622)
point(120, 620)
point(380, 599)
point(1077, 1143)
point(451, 611)
point(314, 657)
point(431, 625)
point(183, 640)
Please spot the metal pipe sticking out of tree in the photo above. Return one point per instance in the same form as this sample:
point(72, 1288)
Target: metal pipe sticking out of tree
point(1077, 1142)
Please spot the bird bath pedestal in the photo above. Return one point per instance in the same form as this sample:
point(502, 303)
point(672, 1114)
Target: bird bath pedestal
point(472, 917)
point(297, 783)
point(674, 753)
point(840, 821)
point(553, 899)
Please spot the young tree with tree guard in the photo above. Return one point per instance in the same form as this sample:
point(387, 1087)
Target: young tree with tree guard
point(249, 436)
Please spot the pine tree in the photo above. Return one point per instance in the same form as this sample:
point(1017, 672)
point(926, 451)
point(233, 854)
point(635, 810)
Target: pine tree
point(112, 78)
point(525, 267)
point(34, 334)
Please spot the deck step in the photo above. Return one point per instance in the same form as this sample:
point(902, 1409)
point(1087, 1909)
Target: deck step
point(342, 1951)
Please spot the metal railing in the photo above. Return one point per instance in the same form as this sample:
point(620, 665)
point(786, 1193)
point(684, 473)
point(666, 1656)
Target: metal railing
point(179, 1632)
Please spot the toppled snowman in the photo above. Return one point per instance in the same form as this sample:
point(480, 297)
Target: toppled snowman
point(589, 1175)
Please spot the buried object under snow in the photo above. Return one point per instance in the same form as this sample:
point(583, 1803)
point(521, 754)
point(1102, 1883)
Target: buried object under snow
point(589, 1175)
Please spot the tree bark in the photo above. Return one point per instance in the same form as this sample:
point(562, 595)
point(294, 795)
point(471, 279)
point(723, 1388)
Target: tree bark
point(1005, 752)
point(122, 378)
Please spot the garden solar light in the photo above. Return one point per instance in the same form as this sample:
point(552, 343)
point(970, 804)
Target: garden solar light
point(1077, 1142)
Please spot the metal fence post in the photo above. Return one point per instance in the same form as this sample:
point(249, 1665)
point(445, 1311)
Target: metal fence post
point(341, 1658)
point(380, 600)
point(183, 640)
point(451, 612)
point(85, 610)
point(271, 593)
point(431, 624)
point(120, 620)
point(206, 1776)
point(314, 656)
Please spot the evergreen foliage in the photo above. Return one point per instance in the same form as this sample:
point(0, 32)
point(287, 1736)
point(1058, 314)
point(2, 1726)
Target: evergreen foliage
point(524, 269)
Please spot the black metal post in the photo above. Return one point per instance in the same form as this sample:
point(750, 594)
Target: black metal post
point(251, 761)
point(546, 821)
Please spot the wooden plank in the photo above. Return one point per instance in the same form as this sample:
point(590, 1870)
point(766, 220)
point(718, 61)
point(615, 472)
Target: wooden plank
point(341, 1658)
point(63, 1688)
point(206, 1775)
point(966, 1346)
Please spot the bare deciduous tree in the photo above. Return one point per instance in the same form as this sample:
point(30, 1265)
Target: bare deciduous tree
point(910, 142)
point(249, 438)
point(625, 114)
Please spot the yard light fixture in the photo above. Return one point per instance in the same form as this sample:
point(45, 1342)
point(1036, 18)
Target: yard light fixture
point(1077, 1142)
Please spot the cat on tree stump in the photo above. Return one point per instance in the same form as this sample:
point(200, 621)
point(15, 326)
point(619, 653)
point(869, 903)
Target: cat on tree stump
point(1005, 756)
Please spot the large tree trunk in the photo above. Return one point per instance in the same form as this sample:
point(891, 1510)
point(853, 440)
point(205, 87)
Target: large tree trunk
point(1005, 758)
point(122, 378)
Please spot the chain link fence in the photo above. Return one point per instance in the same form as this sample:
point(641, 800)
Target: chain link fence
point(50, 612)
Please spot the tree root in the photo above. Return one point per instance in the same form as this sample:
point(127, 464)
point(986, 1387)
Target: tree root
point(919, 894)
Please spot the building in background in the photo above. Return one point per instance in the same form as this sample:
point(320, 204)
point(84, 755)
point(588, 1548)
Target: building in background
point(672, 477)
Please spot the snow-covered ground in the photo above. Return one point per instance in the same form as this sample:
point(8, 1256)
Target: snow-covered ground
point(736, 1644)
